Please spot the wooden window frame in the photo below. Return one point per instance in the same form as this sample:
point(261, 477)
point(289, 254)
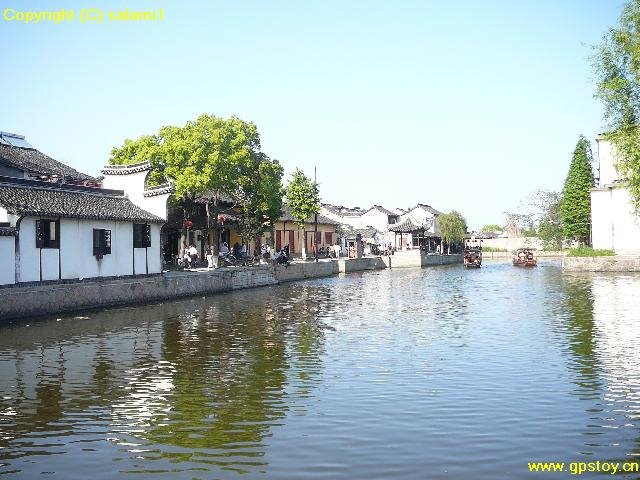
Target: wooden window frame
point(43, 233)
point(141, 235)
point(101, 242)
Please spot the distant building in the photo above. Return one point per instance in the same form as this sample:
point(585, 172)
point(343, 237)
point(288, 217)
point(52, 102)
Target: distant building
point(413, 227)
point(614, 223)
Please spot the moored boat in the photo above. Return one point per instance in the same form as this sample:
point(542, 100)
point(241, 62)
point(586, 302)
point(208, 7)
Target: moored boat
point(472, 257)
point(525, 257)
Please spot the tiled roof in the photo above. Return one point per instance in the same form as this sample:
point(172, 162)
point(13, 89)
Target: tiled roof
point(35, 198)
point(288, 217)
point(428, 208)
point(159, 190)
point(126, 169)
point(405, 227)
point(383, 210)
point(7, 231)
point(368, 232)
point(37, 164)
point(344, 211)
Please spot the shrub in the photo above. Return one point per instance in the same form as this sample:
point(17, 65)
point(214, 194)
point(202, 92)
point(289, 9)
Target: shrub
point(494, 249)
point(590, 252)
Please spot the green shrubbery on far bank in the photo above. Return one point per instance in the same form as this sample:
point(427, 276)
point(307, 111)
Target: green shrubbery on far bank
point(494, 249)
point(590, 252)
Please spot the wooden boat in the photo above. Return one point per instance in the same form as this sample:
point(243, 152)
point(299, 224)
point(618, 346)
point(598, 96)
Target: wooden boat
point(524, 257)
point(472, 257)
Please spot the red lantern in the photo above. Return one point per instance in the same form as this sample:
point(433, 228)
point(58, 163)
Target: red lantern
point(188, 223)
point(220, 218)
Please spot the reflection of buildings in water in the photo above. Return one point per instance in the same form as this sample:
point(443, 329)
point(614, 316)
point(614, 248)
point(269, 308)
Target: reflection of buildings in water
point(205, 374)
point(617, 329)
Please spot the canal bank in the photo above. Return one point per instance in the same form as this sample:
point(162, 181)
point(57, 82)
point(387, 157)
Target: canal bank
point(21, 301)
point(617, 263)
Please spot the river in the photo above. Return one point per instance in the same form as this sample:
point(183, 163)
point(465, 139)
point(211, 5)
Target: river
point(396, 374)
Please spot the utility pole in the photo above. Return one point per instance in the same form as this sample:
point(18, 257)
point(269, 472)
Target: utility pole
point(315, 228)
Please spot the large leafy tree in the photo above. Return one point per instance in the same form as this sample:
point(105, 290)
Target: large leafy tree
point(303, 198)
point(258, 197)
point(453, 227)
point(575, 207)
point(617, 66)
point(207, 159)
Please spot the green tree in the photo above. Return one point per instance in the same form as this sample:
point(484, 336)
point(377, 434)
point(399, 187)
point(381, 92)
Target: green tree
point(206, 159)
point(303, 198)
point(575, 207)
point(258, 198)
point(616, 63)
point(492, 227)
point(453, 227)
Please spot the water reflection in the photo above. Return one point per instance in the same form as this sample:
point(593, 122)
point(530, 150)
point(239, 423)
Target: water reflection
point(380, 374)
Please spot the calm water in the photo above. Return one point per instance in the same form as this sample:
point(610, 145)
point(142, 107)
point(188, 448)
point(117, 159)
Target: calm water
point(403, 374)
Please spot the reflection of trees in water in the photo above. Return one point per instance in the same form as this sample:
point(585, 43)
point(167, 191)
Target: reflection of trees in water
point(579, 329)
point(230, 365)
point(212, 381)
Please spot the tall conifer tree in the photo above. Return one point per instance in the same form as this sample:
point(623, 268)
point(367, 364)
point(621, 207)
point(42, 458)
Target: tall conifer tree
point(575, 207)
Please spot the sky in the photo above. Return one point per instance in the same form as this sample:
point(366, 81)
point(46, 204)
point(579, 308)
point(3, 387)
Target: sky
point(465, 105)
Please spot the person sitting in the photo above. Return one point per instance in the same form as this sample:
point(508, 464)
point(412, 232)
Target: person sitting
point(193, 255)
point(224, 250)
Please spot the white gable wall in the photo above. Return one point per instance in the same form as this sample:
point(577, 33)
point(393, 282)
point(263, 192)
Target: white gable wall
point(607, 162)
point(8, 265)
point(133, 185)
point(615, 225)
point(376, 219)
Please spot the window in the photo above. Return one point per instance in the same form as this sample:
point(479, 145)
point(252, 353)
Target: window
point(101, 241)
point(141, 235)
point(328, 237)
point(47, 233)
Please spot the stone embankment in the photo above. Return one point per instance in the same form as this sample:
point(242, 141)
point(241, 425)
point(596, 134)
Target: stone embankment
point(539, 254)
point(617, 263)
point(20, 301)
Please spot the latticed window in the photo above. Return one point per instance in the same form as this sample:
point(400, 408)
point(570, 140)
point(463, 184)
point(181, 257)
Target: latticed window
point(101, 241)
point(47, 233)
point(141, 235)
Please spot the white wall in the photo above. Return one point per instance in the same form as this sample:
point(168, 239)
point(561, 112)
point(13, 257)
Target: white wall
point(29, 254)
point(8, 256)
point(376, 219)
point(154, 252)
point(75, 257)
point(614, 224)
point(133, 186)
point(4, 217)
point(607, 162)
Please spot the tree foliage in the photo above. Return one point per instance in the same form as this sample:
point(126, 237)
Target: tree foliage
point(258, 197)
point(616, 63)
point(575, 206)
point(453, 227)
point(303, 198)
point(491, 228)
point(208, 159)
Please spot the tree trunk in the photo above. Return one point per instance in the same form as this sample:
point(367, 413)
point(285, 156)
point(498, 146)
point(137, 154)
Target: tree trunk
point(183, 234)
point(303, 242)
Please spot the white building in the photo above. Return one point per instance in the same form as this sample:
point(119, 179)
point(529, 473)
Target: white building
point(55, 227)
point(413, 227)
point(614, 223)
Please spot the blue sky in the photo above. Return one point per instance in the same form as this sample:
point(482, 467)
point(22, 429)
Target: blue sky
point(466, 105)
